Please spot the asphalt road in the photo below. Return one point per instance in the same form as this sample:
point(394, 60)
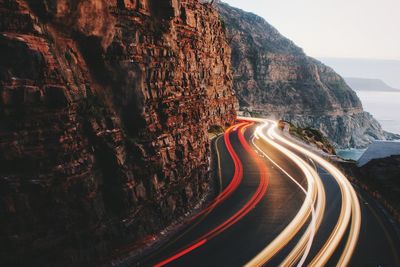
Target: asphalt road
point(262, 191)
point(379, 239)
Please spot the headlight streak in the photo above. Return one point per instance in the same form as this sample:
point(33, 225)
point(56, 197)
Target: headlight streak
point(313, 205)
point(301, 217)
point(304, 246)
point(350, 209)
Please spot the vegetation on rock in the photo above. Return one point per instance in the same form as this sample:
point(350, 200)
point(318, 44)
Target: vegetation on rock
point(309, 136)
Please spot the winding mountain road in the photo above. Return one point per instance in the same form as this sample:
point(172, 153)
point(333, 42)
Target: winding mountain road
point(281, 204)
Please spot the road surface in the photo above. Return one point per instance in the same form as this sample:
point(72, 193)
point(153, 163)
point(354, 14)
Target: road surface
point(280, 204)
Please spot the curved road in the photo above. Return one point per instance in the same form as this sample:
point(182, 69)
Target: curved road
point(280, 204)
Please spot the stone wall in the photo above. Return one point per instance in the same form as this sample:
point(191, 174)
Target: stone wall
point(104, 112)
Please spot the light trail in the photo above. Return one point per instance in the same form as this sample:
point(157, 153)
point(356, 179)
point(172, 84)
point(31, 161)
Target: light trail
point(237, 176)
point(313, 205)
point(350, 210)
point(254, 200)
point(301, 217)
point(232, 186)
point(236, 179)
point(193, 223)
point(304, 245)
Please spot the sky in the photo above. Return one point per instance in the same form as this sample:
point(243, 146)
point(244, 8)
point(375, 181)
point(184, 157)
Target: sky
point(334, 28)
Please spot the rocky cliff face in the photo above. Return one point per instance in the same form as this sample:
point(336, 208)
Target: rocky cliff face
point(104, 112)
point(274, 77)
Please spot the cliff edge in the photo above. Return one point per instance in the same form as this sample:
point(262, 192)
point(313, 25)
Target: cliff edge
point(274, 77)
point(104, 110)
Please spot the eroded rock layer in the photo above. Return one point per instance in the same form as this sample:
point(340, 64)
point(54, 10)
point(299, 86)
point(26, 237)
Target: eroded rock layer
point(104, 112)
point(274, 77)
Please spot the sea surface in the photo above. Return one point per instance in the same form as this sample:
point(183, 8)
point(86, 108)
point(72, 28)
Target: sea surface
point(385, 107)
point(353, 154)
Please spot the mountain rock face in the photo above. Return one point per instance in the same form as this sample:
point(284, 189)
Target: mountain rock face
point(104, 112)
point(274, 77)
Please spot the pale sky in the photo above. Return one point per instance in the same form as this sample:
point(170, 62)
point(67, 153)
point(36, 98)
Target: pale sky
point(334, 28)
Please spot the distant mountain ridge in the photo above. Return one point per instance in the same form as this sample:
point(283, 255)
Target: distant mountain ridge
point(273, 77)
point(365, 84)
point(386, 70)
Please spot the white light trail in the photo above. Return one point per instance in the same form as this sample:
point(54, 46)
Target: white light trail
point(350, 213)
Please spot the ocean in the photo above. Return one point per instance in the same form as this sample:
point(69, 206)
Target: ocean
point(385, 107)
point(353, 154)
